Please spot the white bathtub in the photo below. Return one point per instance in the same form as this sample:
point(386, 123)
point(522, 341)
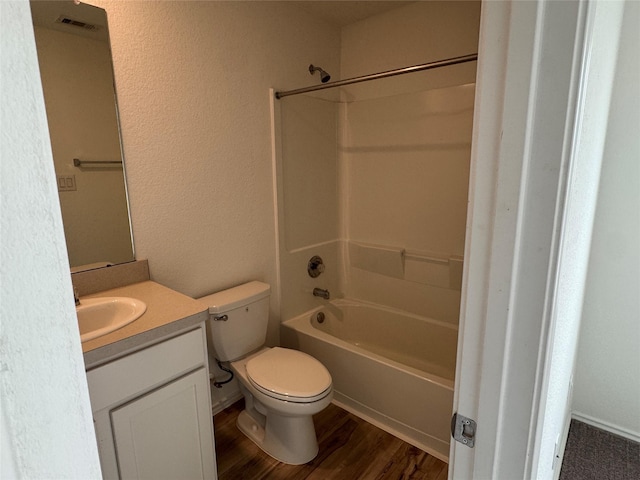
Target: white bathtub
point(392, 368)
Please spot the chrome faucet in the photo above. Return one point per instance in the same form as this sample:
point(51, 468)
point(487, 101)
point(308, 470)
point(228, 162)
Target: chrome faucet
point(321, 292)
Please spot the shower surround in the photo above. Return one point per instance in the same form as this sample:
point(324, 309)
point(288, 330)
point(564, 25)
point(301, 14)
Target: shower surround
point(377, 186)
point(373, 178)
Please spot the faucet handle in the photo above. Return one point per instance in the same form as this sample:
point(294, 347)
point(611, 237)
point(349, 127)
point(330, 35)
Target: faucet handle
point(315, 266)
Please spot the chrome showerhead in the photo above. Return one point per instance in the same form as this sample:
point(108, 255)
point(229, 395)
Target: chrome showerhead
point(324, 76)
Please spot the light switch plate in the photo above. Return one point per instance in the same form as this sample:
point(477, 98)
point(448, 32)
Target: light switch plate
point(66, 183)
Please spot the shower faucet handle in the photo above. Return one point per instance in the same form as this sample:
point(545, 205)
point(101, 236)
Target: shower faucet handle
point(315, 266)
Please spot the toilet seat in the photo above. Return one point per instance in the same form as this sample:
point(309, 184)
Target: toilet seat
point(289, 375)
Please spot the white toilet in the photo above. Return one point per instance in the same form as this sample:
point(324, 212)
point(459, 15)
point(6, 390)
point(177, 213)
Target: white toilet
point(282, 388)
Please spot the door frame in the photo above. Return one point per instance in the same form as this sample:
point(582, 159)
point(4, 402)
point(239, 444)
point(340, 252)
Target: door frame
point(536, 153)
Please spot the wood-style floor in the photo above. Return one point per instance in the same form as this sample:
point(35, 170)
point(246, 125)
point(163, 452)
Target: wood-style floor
point(350, 449)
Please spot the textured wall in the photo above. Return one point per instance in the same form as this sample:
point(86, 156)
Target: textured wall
point(46, 424)
point(607, 382)
point(192, 80)
point(418, 33)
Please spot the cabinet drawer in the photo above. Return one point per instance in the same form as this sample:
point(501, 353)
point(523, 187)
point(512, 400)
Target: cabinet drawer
point(141, 371)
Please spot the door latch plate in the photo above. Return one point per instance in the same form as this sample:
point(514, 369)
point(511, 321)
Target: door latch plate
point(463, 429)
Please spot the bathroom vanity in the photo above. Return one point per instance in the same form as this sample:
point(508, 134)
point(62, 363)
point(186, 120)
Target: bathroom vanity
point(149, 389)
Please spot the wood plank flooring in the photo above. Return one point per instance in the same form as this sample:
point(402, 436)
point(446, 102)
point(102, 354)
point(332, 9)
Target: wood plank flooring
point(350, 449)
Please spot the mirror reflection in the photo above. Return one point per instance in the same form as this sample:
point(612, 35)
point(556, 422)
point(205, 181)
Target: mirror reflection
point(77, 80)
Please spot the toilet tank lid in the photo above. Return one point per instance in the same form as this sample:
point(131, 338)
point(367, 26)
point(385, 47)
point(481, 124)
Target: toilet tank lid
point(236, 297)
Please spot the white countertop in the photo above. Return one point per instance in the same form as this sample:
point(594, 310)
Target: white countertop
point(167, 312)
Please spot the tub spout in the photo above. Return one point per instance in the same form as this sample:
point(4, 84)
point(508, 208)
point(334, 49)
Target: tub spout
point(321, 292)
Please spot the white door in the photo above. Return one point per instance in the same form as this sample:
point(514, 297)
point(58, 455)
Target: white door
point(544, 73)
point(167, 433)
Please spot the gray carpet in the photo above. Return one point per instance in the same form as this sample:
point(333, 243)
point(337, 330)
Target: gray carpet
point(592, 453)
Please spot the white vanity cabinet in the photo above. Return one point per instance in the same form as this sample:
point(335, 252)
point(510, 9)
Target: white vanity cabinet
point(152, 411)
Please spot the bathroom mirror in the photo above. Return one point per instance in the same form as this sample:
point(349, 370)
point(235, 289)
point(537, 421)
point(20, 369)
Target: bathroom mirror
point(76, 69)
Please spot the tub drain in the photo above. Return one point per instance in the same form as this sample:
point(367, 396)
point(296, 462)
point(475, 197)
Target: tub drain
point(320, 317)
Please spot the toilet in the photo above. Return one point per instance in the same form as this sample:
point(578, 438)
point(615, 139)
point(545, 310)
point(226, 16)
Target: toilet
point(282, 387)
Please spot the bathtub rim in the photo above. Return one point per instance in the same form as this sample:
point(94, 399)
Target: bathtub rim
point(302, 323)
point(405, 313)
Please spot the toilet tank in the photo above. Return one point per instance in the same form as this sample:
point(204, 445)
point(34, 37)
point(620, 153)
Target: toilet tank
point(238, 319)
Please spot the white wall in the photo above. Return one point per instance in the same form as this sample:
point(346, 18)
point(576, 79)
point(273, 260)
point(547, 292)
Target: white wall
point(418, 33)
point(607, 379)
point(192, 80)
point(46, 423)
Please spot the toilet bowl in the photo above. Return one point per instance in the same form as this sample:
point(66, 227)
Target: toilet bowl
point(282, 387)
point(278, 409)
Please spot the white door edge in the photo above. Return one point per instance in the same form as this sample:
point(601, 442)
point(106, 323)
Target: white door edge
point(521, 186)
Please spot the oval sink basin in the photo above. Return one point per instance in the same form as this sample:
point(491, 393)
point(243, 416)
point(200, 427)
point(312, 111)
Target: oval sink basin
point(99, 316)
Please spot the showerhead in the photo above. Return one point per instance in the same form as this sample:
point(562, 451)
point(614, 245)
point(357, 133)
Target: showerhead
point(324, 76)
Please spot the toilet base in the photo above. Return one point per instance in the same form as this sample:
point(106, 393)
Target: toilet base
point(290, 440)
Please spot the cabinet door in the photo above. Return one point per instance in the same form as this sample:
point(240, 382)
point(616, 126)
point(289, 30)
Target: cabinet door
point(166, 433)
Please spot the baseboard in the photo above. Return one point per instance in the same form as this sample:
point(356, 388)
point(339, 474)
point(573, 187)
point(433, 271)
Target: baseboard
point(607, 427)
point(225, 402)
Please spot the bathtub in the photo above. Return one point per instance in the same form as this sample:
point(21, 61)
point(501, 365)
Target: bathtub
point(390, 367)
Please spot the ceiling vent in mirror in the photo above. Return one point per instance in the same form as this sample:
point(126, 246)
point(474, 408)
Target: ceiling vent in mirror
point(76, 23)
